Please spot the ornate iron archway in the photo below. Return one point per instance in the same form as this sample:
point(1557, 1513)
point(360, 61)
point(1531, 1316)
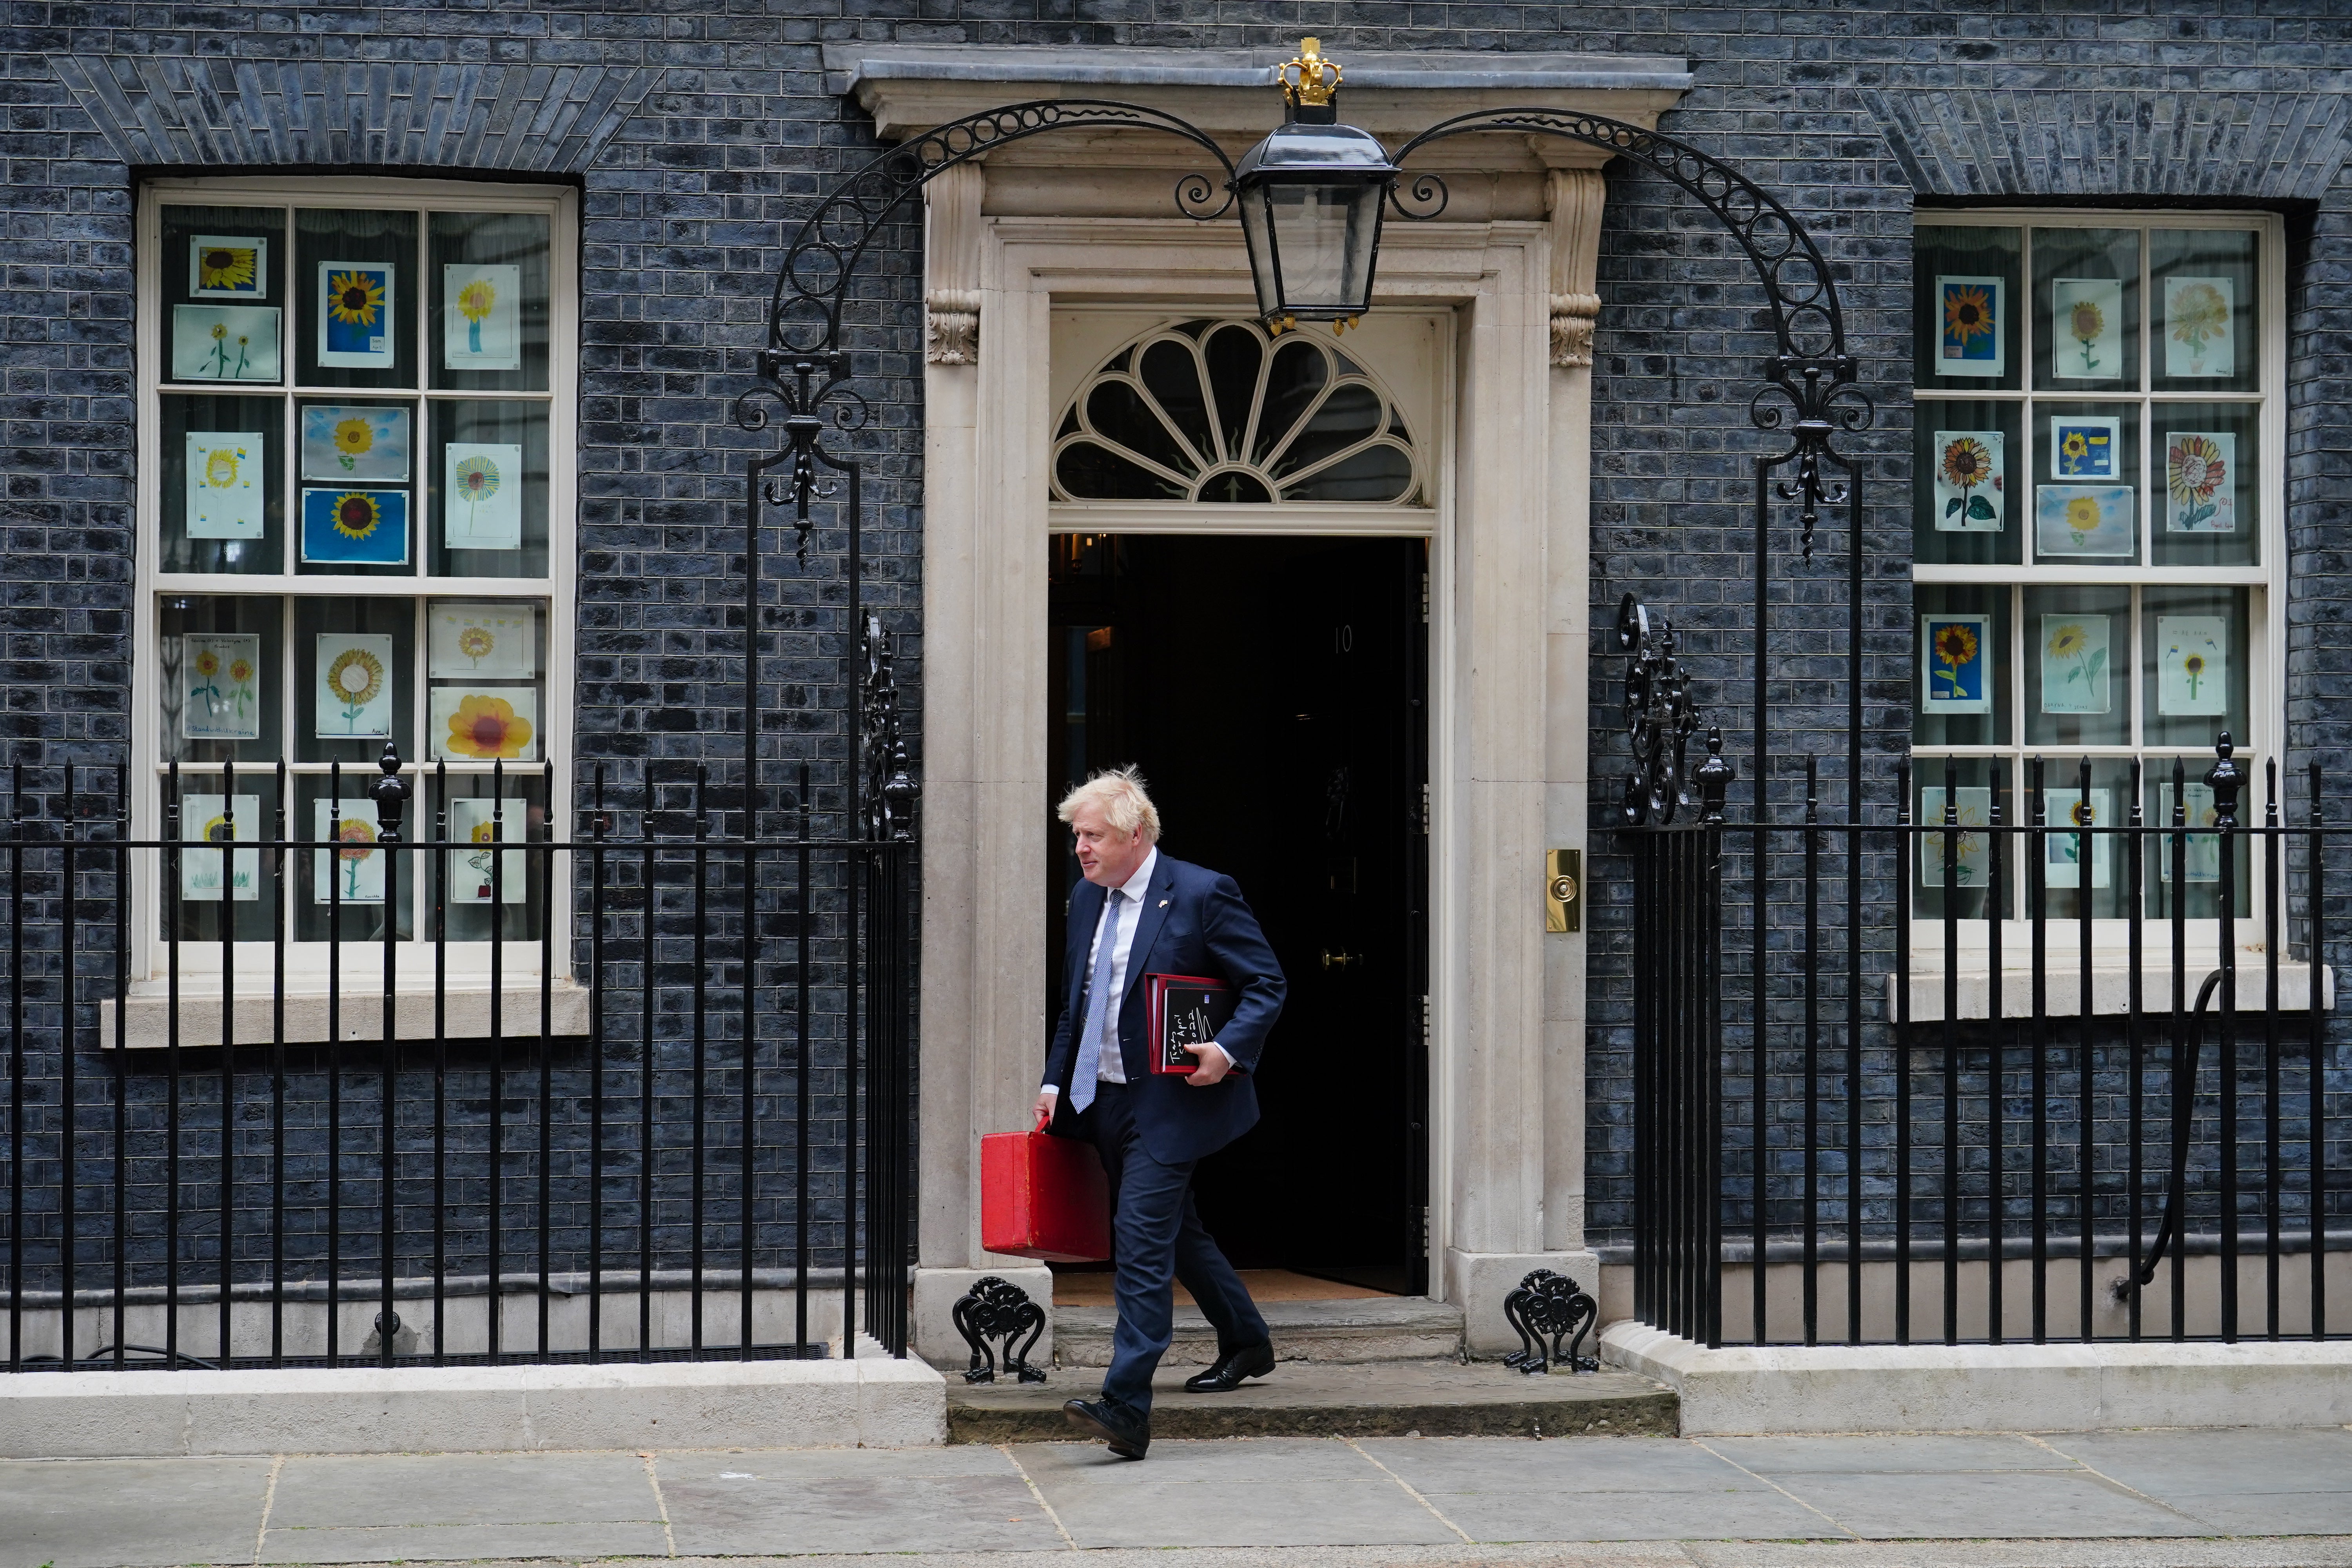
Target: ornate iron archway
point(1810, 389)
point(1808, 392)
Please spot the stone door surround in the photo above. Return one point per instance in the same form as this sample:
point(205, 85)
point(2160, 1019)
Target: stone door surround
point(1086, 218)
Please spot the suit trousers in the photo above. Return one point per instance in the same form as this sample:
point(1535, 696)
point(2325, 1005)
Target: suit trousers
point(1157, 1241)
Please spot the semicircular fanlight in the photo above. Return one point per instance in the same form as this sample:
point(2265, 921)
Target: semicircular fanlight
point(1217, 412)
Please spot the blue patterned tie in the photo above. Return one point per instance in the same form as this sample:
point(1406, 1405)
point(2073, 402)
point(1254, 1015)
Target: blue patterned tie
point(1082, 1083)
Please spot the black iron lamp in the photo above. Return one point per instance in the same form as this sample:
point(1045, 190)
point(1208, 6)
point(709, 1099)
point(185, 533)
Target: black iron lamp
point(1310, 199)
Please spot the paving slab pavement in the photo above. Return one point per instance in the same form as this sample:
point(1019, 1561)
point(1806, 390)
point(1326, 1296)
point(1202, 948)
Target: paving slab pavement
point(2250, 1499)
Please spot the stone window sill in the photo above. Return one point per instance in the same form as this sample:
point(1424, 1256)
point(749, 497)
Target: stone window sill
point(2110, 983)
point(466, 1012)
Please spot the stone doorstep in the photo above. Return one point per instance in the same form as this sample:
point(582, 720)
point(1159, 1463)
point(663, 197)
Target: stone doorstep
point(1382, 1399)
point(1371, 1328)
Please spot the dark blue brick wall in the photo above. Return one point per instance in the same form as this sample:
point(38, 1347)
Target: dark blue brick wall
point(699, 132)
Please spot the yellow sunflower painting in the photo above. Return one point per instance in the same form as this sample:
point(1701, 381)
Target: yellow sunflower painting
point(355, 438)
point(2074, 664)
point(357, 515)
point(1955, 660)
point(2083, 517)
point(2197, 314)
point(355, 314)
point(476, 300)
point(2197, 482)
point(1968, 315)
point(486, 726)
point(1969, 479)
point(354, 678)
point(355, 298)
point(226, 267)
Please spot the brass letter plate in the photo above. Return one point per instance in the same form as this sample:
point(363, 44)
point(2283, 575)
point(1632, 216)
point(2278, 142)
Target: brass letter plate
point(1564, 890)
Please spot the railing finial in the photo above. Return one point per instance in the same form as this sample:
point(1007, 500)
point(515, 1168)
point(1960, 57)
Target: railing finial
point(1715, 776)
point(389, 792)
point(2225, 779)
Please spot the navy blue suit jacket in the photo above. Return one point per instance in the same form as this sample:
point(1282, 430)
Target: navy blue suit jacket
point(1193, 922)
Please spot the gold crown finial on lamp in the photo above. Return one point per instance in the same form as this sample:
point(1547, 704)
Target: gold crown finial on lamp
point(1309, 79)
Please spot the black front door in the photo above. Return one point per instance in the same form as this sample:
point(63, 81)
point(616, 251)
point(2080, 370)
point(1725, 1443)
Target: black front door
point(1274, 693)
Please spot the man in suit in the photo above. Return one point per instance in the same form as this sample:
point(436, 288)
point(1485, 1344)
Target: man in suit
point(1141, 912)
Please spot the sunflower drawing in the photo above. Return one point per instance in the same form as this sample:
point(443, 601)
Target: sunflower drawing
point(203, 869)
point(476, 300)
point(2072, 641)
point(2199, 318)
point(357, 515)
point(477, 481)
point(356, 678)
point(485, 727)
point(240, 680)
point(2068, 847)
point(482, 861)
point(207, 664)
point(357, 838)
point(355, 438)
point(355, 298)
point(2194, 667)
point(1966, 465)
point(1968, 315)
point(2082, 519)
point(475, 643)
point(1955, 651)
point(1966, 847)
point(2085, 323)
point(225, 267)
point(216, 363)
point(2193, 471)
point(220, 466)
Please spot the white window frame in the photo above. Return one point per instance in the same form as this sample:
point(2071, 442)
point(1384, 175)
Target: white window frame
point(2266, 637)
point(307, 962)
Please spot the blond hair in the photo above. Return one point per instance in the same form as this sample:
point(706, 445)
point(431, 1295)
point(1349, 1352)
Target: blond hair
point(1125, 805)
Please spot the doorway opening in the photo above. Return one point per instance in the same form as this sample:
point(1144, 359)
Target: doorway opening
point(1274, 690)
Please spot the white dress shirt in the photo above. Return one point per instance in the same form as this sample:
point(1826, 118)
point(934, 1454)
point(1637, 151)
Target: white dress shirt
point(1111, 1068)
point(1129, 912)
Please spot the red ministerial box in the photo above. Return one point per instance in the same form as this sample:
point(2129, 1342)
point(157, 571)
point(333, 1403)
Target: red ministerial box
point(1044, 1197)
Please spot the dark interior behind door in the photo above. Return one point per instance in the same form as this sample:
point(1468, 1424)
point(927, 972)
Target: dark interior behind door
point(1273, 692)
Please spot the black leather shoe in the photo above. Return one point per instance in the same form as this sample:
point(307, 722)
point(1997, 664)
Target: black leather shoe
point(1129, 1435)
point(1231, 1368)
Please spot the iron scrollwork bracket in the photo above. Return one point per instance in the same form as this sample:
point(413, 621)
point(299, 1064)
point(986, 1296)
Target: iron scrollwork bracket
point(1660, 719)
point(1812, 385)
point(997, 1308)
point(1548, 1307)
point(887, 801)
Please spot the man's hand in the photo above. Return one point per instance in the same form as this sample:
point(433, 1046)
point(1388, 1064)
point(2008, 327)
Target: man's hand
point(1214, 1064)
point(1044, 1108)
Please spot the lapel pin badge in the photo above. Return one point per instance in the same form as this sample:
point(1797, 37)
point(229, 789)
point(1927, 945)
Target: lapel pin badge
point(1163, 904)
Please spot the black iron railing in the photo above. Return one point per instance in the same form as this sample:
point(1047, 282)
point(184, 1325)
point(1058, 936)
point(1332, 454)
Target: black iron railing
point(671, 1122)
point(2084, 1091)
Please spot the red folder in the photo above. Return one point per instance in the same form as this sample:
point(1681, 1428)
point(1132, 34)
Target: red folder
point(1045, 1197)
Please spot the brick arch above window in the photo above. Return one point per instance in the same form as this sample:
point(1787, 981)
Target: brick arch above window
point(2118, 145)
point(205, 113)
